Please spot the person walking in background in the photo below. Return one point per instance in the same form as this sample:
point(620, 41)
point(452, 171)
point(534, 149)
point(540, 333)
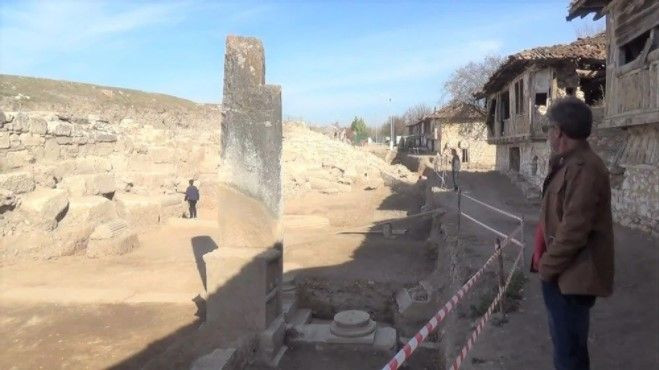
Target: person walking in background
point(455, 168)
point(192, 196)
point(574, 251)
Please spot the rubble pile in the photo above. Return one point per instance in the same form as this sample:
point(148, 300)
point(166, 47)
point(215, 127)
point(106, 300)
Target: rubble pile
point(314, 162)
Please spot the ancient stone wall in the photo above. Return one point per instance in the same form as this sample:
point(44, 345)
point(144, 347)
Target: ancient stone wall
point(64, 176)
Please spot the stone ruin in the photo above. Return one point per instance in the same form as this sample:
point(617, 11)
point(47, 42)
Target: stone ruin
point(247, 294)
point(244, 275)
point(72, 184)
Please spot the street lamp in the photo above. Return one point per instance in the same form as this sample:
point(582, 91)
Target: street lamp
point(391, 124)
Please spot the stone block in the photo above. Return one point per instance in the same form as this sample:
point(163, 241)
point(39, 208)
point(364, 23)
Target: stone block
point(242, 284)
point(17, 182)
point(8, 201)
point(172, 205)
point(20, 123)
point(118, 245)
point(59, 128)
point(45, 207)
point(271, 343)
point(83, 166)
point(139, 210)
point(18, 159)
point(29, 140)
point(38, 126)
point(220, 359)
point(89, 210)
point(4, 140)
point(105, 137)
point(64, 140)
point(251, 140)
point(92, 184)
point(51, 150)
point(103, 149)
point(162, 154)
point(110, 229)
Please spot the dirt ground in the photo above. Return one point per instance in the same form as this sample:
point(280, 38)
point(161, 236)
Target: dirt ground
point(76, 312)
point(81, 313)
point(624, 327)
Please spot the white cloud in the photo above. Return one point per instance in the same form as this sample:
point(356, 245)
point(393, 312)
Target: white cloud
point(36, 30)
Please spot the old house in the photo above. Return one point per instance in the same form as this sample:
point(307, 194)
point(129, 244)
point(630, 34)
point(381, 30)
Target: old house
point(462, 127)
point(520, 90)
point(423, 135)
point(632, 105)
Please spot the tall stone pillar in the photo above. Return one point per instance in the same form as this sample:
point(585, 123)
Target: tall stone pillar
point(244, 274)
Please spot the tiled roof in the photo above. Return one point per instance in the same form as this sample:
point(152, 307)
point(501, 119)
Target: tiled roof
point(591, 49)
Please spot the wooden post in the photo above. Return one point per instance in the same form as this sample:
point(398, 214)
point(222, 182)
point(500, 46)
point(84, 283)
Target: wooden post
point(502, 282)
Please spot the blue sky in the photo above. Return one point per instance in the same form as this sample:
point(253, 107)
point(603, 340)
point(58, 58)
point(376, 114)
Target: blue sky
point(334, 59)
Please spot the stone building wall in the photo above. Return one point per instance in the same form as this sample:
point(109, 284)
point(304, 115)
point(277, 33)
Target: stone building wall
point(69, 183)
point(533, 163)
point(471, 136)
point(632, 158)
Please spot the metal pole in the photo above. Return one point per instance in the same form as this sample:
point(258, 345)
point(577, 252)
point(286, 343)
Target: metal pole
point(391, 125)
point(524, 252)
point(459, 211)
point(502, 279)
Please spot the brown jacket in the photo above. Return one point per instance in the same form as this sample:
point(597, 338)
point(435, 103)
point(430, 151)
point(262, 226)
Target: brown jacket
point(576, 211)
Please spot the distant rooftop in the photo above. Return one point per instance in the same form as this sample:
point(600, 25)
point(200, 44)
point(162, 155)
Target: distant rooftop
point(455, 112)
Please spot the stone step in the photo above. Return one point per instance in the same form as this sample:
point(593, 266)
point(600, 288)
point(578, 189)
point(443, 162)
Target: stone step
point(44, 207)
point(109, 230)
point(220, 359)
point(89, 210)
point(300, 317)
point(118, 244)
point(17, 182)
point(88, 184)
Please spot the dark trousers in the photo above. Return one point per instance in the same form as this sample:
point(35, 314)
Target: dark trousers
point(193, 208)
point(455, 179)
point(569, 317)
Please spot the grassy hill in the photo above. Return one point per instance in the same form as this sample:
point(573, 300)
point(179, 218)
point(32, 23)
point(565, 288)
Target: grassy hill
point(18, 93)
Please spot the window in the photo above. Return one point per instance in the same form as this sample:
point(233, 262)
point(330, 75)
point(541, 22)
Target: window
point(541, 99)
point(631, 50)
point(490, 117)
point(505, 104)
point(519, 97)
point(513, 159)
point(534, 165)
point(465, 155)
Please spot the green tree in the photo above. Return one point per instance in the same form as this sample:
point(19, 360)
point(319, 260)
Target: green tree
point(360, 129)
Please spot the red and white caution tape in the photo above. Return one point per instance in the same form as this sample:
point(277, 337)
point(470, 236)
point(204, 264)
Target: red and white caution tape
point(422, 334)
point(481, 324)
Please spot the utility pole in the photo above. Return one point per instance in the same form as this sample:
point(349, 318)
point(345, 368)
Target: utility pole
point(391, 124)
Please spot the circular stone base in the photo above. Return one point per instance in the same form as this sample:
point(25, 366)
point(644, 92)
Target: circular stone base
point(352, 323)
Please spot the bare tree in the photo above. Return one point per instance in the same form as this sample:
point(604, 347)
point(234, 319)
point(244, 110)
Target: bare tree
point(399, 126)
point(416, 112)
point(469, 79)
point(588, 29)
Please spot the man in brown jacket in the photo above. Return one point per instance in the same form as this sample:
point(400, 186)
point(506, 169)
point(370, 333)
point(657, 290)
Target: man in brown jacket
point(577, 266)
